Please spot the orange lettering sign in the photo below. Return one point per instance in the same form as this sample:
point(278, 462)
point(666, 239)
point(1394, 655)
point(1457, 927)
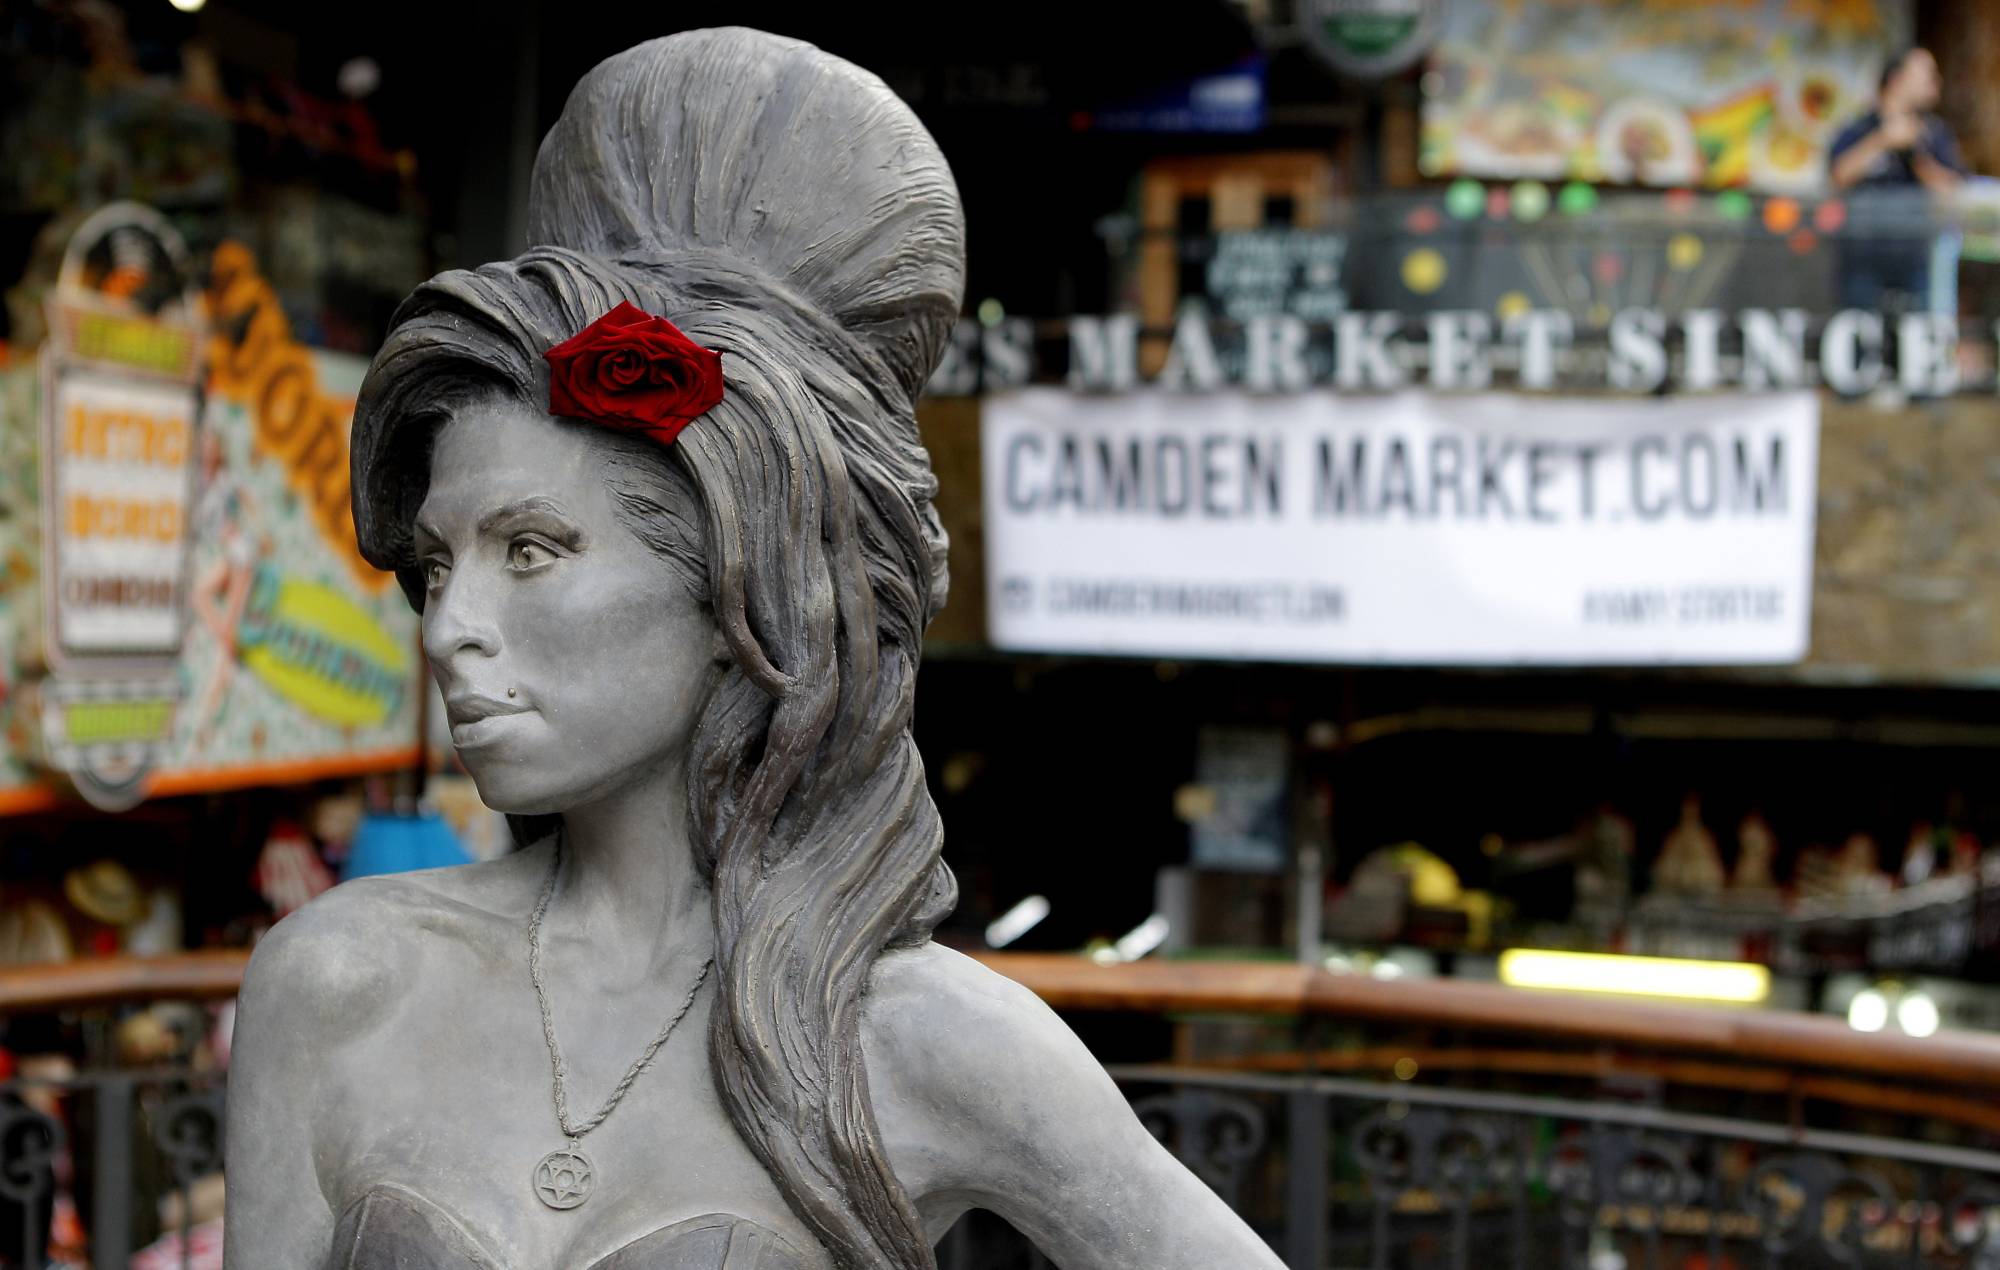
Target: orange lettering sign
point(146, 520)
point(124, 436)
point(253, 360)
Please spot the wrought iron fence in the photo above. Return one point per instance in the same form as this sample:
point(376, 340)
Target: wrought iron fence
point(1334, 1172)
point(1484, 1162)
point(1346, 1173)
point(102, 1150)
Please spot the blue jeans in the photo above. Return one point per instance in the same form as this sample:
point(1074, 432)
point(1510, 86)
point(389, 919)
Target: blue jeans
point(1884, 275)
point(1885, 256)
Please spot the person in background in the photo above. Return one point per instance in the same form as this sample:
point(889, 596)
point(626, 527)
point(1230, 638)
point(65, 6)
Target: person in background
point(1891, 161)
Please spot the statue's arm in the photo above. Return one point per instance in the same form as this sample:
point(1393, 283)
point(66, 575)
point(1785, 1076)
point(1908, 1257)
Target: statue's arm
point(300, 981)
point(987, 1099)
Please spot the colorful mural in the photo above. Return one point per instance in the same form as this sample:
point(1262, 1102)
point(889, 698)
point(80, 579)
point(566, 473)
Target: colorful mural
point(1653, 92)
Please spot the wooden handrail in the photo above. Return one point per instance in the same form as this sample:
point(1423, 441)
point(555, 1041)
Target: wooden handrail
point(1788, 1037)
point(1276, 989)
point(66, 985)
point(1953, 1103)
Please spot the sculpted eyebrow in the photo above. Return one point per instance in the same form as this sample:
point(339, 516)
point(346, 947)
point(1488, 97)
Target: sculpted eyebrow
point(529, 507)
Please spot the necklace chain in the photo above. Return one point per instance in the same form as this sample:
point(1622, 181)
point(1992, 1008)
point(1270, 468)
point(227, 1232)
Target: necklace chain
point(575, 1130)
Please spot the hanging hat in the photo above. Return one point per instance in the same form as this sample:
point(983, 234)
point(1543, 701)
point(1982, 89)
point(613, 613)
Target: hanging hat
point(105, 891)
point(32, 932)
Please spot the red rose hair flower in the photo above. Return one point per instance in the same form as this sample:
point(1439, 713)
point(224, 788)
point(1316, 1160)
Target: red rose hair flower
point(636, 372)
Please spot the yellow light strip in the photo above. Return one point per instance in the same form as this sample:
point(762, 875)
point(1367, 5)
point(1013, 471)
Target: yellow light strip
point(1738, 982)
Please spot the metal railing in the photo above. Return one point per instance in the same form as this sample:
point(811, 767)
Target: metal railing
point(1792, 1141)
point(1420, 1176)
point(1439, 1124)
point(104, 1140)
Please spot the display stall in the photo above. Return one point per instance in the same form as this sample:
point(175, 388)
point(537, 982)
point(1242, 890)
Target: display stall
point(211, 706)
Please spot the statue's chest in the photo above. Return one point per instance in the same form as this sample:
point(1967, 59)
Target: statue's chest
point(455, 1098)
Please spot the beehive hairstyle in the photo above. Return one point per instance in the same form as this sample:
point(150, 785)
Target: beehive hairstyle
point(783, 207)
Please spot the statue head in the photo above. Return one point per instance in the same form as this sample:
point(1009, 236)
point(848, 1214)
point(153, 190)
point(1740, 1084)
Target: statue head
point(565, 616)
point(749, 600)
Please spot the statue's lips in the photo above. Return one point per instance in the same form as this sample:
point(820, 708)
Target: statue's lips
point(478, 732)
point(475, 720)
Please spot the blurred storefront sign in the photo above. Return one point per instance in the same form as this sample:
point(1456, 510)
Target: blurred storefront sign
point(296, 421)
point(1239, 819)
point(120, 460)
point(315, 646)
point(1228, 101)
point(281, 590)
point(1675, 92)
point(119, 378)
point(1371, 38)
point(1639, 350)
point(1401, 529)
point(215, 561)
point(1254, 272)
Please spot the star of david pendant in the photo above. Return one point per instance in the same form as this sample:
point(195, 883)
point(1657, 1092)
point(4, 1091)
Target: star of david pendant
point(564, 1177)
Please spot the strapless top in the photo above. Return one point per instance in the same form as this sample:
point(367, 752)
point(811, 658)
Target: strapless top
point(392, 1228)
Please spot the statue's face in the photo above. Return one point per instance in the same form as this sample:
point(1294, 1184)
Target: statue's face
point(573, 660)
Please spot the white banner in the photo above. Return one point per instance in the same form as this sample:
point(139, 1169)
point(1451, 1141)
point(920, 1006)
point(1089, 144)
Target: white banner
point(1419, 529)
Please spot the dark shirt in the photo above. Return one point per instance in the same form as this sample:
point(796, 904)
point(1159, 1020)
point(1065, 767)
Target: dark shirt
point(1894, 168)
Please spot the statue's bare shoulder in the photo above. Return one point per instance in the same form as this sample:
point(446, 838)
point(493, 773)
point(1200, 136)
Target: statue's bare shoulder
point(986, 1099)
point(943, 1022)
point(347, 952)
point(336, 954)
point(325, 983)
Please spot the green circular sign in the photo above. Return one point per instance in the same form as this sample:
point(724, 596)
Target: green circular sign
point(1465, 198)
point(1371, 38)
point(1577, 199)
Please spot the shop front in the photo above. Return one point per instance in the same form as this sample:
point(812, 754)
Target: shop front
point(1658, 636)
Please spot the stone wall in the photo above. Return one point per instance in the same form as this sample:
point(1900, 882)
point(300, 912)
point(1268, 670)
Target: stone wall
point(1907, 576)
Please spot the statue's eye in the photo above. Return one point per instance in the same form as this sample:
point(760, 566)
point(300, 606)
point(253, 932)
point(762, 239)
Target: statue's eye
point(435, 572)
point(527, 553)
